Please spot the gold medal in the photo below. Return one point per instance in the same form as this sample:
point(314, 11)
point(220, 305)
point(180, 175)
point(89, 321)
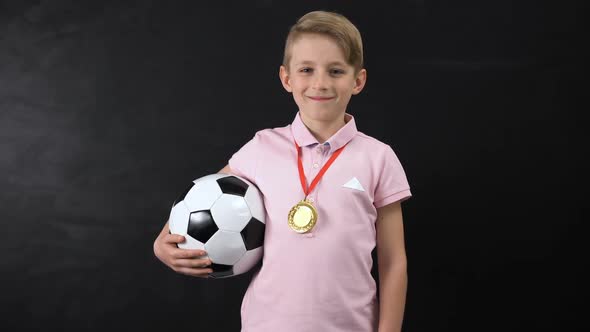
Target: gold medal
point(303, 217)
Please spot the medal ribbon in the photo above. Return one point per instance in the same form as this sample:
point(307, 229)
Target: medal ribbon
point(315, 181)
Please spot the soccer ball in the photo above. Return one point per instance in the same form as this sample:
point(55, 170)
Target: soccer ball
point(223, 215)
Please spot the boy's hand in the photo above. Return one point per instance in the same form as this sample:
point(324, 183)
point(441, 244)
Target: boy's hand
point(184, 261)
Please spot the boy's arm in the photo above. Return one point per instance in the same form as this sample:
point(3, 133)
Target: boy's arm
point(225, 170)
point(391, 256)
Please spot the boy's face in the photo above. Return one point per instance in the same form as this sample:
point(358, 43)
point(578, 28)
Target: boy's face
point(319, 77)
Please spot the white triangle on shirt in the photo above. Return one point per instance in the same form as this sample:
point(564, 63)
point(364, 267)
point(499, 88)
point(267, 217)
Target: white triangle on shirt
point(354, 184)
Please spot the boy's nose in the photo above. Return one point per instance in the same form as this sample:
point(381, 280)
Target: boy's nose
point(319, 82)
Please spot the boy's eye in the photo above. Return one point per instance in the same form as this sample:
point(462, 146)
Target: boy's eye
point(305, 70)
point(336, 71)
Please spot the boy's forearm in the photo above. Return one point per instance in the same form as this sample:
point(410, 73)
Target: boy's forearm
point(393, 284)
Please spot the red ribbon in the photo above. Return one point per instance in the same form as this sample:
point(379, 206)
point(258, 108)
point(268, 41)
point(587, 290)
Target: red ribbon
point(315, 181)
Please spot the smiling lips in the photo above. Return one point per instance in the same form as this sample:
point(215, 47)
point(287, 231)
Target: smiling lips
point(320, 98)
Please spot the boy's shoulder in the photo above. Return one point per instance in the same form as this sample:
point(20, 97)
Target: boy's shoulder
point(272, 134)
point(371, 148)
point(371, 141)
point(274, 131)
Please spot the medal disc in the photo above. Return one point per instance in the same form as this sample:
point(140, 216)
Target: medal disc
point(302, 217)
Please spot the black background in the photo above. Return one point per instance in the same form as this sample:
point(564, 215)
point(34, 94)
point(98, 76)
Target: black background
point(108, 109)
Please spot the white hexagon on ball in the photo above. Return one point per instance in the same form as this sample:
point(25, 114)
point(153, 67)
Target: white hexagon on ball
point(191, 243)
point(225, 247)
point(231, 213)
point(179, 216)
point(202, 196)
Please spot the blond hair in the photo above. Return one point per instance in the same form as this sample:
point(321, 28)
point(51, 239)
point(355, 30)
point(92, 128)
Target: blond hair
point(333, 25)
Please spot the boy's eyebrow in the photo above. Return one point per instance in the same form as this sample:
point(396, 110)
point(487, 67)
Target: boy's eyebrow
point(308, 62)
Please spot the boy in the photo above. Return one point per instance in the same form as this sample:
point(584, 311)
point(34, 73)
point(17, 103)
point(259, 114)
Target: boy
point(331, 194)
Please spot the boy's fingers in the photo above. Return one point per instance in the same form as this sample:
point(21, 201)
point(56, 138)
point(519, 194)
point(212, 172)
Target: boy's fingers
point(174, 238)
point(188, 253)
point(194, 272)
point(193, 263)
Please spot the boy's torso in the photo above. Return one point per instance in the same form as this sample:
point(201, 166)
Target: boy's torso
point(322, 278)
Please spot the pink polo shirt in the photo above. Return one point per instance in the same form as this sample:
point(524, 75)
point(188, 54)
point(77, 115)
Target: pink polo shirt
point(319, 281)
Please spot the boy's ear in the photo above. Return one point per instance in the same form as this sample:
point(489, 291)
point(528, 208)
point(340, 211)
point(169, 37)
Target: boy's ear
point(359, 82)
point(285, 79)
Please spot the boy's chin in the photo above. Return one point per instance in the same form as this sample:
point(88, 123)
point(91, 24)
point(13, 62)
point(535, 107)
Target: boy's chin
point(321, 114)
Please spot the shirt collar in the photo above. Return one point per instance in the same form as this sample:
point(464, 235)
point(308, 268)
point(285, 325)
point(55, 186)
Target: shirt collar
point(303, 136)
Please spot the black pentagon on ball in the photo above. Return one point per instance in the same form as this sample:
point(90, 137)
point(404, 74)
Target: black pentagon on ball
point(201, 225)
point(221, 270)
point(233, 186)
point(253, 234)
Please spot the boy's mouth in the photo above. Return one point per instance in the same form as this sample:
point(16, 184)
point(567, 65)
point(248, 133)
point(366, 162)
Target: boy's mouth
point(319, 98)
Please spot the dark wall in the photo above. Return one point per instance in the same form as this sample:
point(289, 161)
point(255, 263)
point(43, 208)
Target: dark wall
point(108, 109)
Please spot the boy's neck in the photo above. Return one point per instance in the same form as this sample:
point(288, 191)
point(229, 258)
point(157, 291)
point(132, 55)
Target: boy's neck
point(323, 130)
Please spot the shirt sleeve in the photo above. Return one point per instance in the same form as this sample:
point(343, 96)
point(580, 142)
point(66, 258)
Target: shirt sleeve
point(392, 185)
point(243, 163)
